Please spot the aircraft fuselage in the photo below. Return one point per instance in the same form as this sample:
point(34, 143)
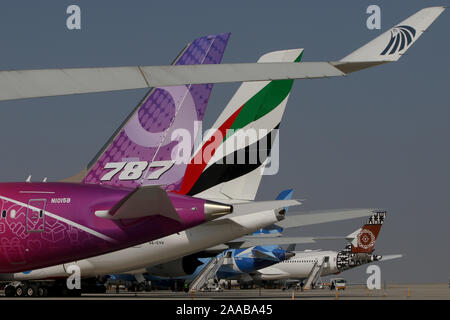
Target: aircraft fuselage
point(43, 224)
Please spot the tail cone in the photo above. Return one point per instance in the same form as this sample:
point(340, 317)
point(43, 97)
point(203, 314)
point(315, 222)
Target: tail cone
point(214, 210)
point(289, 255)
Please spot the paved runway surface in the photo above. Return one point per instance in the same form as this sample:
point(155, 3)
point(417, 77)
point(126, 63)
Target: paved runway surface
point(396, 292)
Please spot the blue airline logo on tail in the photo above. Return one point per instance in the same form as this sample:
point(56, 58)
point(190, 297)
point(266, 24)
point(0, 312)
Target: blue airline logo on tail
point(401, 38)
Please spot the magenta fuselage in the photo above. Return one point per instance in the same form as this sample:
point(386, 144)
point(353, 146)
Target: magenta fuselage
point(44, 224)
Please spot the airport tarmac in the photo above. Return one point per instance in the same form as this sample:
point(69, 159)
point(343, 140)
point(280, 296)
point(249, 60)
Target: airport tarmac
point(352, 292)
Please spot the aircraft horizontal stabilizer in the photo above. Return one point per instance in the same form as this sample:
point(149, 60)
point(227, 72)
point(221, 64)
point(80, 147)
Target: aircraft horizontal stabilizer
point(333, 238)
point(300, 219)
point(257, 206)
point(263, 255)
point(353, 235)
point(391, 257)
point(246, 242)
point(142, 202)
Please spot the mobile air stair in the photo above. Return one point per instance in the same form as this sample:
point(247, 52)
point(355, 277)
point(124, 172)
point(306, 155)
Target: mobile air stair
point(207, 273)
point(316, 270)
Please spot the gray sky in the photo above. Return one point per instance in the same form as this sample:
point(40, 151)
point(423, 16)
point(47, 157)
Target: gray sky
point(378, 138)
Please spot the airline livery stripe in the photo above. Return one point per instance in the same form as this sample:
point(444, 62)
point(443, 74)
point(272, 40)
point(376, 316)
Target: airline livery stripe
point(194, 170)
point(220, 171)
point(45, 192)
point(264, 101)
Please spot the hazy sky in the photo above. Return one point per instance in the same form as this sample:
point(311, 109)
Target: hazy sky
point(378, 138)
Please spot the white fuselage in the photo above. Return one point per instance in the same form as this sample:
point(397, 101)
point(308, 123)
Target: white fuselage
point(162, 250)
point(299, 266)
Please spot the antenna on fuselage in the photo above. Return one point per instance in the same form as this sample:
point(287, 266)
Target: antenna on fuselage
point(28, 179)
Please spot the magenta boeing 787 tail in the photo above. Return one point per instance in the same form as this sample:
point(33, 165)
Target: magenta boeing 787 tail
point(144, 148)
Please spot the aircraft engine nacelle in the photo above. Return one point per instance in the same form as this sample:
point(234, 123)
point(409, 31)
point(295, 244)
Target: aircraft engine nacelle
point(176, 268)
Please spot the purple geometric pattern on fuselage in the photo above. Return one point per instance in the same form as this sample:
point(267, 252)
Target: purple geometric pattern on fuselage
point(71, 229)
point(144, 136)
point(52, 239)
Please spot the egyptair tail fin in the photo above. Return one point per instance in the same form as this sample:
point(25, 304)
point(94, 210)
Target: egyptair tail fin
point(392, 44)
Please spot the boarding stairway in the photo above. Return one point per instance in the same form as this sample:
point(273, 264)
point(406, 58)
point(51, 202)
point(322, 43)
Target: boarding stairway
point(315, 272)
point(206, 274)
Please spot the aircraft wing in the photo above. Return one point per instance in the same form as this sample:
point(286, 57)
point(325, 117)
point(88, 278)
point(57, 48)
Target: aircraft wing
point(252, 241)
point(246, 242)
point(388, 47)
point(299, 219)
point(292, 220)
point(21, 84)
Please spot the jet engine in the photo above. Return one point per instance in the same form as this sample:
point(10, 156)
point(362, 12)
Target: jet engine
point(176, 268)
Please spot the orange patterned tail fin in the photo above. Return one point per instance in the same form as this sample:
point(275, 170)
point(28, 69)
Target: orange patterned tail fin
point(365, 237)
